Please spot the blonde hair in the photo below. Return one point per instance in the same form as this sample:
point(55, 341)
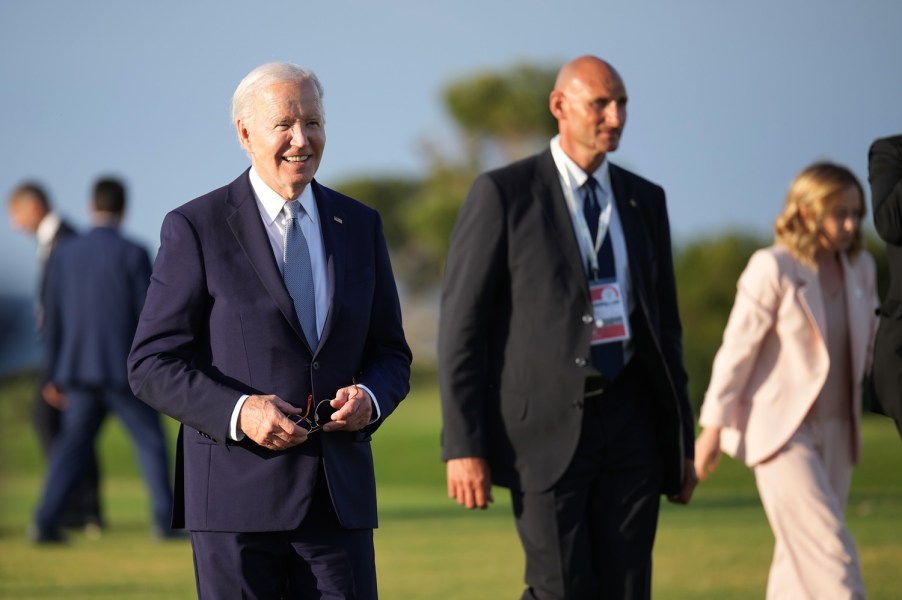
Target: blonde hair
point(814, 192)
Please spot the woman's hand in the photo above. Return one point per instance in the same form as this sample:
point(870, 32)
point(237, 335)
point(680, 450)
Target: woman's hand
point(707, 451)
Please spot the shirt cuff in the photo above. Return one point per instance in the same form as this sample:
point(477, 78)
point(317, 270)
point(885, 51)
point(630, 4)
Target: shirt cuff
point(234, 434)
point(378, 413)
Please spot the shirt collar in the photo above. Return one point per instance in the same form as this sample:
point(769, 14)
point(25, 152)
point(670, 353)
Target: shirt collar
point(47, 228)
point(271, 203)
point(572, 172)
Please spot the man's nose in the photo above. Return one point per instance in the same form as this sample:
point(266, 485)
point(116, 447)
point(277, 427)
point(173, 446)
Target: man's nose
point(613, 114)
point(298, 137)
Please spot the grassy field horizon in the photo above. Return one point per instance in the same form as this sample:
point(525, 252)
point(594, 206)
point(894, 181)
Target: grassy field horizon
point(718, 547)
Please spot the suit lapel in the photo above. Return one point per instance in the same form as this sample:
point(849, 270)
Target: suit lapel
point(812, 299)
point(633, 230)
point(332, 224)
point(857, 313)
point(243, 219)
point(547, 191)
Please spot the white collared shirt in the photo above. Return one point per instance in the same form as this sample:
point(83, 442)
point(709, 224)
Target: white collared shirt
point(45, 233)
point(572, 177)
point(270, 205)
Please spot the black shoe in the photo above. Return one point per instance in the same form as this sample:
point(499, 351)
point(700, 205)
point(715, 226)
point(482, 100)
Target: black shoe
point(46, 535)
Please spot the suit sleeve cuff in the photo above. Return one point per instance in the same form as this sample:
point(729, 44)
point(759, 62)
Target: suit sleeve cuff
point(234, 434)
point(377, 413)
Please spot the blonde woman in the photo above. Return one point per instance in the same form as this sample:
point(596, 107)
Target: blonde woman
point(785, 393)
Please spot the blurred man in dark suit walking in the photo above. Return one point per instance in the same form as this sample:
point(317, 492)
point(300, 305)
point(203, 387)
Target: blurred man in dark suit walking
point(30, 212)
point(94, 291)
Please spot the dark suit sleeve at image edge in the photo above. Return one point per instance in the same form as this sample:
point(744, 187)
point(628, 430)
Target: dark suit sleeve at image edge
point(885, 176)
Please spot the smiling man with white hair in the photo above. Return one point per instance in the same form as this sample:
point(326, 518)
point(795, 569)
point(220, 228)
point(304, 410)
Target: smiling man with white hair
point(272, 331)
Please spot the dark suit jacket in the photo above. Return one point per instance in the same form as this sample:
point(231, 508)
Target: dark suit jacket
point(219, 323)
point(885, 175)
point(63, 231)
point(514, 339)
point(94, 291)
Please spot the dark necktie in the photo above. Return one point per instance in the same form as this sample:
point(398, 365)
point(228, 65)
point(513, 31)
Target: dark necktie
point(607, 358)
point(298, 273)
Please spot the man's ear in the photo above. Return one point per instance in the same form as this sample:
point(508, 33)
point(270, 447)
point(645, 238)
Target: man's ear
point(243, 135)
point(556, 103)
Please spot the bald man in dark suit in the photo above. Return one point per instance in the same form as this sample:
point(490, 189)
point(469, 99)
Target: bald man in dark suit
point(560, 351)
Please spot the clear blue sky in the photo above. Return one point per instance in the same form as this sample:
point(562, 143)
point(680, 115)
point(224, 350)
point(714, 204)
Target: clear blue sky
point(728, 100)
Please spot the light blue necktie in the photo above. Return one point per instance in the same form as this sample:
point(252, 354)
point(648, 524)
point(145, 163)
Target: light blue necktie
point(298, 273)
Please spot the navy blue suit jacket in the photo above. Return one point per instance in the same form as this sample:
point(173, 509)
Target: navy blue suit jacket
point(94, 290)
point(64, 232)
point(218, 323)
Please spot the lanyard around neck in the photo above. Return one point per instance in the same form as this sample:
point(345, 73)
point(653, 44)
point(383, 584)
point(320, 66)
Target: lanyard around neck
point(587, 245)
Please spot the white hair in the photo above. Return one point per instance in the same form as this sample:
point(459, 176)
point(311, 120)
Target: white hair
point(266, 75)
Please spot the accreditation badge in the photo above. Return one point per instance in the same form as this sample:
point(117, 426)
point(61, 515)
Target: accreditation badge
point(609, 310)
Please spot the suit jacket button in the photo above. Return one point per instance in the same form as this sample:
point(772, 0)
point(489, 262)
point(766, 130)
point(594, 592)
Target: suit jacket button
point(581, 362)
point(315, 365)
point(587, 319)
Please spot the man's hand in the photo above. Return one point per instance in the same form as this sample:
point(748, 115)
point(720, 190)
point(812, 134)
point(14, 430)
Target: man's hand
point(53, 396)
point(690, 480)
point(470, 482)
point(353, 410)
point(263, 419)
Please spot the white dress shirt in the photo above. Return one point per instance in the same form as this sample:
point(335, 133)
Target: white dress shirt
point(45, 233)
point(572, 178)
point(271, 204)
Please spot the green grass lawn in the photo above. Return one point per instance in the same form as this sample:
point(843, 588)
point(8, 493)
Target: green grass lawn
point(427, 548)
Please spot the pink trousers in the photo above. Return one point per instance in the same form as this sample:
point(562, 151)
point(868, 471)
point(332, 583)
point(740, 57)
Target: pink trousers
point(804, 488)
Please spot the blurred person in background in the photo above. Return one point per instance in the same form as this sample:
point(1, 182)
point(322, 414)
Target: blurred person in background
point(95, 288)
point(30, 211)
point(785, 393)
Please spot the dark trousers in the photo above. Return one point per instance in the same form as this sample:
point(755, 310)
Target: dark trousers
point(86, 409)
point(591, 535)
point(318, 560)
point(82, 506)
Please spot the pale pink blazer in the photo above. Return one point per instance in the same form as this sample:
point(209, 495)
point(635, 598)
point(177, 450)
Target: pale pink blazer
point(773, 361)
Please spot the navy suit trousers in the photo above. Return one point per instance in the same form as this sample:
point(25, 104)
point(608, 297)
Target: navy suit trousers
point(85, 412)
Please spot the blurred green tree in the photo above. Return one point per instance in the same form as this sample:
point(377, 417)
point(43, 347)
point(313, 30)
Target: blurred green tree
point(707, 270)
point(501, 115)
point(503, 110)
